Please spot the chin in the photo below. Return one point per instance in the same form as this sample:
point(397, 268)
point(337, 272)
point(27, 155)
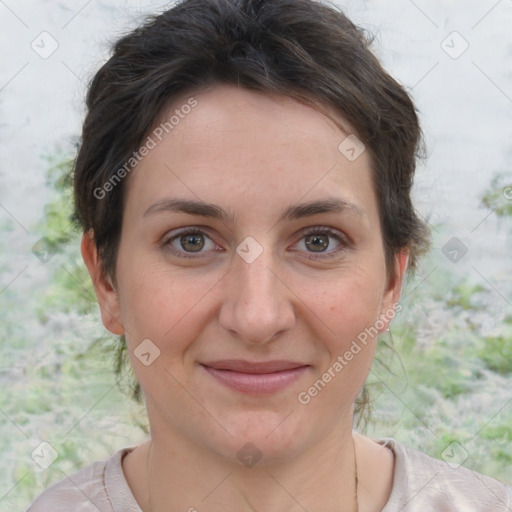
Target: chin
point(270, 437)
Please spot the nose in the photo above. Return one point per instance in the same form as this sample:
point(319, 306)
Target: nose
point(257, 304)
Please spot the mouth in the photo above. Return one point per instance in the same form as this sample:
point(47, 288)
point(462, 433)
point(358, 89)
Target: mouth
point(255, 377)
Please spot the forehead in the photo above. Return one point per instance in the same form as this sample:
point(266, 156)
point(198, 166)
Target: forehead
point(234, 142)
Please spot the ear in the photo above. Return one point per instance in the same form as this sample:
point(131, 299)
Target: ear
point(106, 294)
point(391, 298)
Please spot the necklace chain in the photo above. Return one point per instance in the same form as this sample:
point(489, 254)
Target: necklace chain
point(356, 478)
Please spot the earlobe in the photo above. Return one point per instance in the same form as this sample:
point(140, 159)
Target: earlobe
point(390, 303)
point(106, 293)
point(401, 262)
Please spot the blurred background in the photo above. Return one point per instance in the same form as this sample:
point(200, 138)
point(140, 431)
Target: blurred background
point(446, 389)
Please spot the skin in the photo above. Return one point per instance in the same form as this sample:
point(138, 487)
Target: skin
point(252, 155)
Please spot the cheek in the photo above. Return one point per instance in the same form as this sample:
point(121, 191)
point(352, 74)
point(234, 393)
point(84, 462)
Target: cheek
point(345, 313)
point(347, 303)
point(160, 304)
point(171, 313)
point(351, 349)
point(347, 310)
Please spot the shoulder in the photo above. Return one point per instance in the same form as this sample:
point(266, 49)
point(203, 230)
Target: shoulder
point(87, 490)
point(423, 483)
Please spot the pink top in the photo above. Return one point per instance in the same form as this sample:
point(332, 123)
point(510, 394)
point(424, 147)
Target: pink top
point(420, 484)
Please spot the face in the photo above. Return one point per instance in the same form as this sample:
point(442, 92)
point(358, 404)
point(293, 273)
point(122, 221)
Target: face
point(249, 236)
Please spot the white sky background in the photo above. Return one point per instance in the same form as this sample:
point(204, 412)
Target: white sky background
point(465, 105)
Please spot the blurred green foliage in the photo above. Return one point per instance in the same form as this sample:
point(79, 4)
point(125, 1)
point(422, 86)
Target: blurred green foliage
point(70, 288)
point(498, 198)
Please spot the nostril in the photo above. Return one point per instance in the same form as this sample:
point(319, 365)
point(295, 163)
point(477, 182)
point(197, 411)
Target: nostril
point(269, 338)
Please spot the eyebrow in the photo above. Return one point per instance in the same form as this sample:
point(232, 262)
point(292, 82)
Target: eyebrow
point(293, 212)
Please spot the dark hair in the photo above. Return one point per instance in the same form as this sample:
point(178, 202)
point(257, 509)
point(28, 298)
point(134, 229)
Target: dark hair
point(299, 48)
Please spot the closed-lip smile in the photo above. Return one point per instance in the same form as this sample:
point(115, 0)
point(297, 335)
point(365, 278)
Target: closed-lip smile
point(255, 377)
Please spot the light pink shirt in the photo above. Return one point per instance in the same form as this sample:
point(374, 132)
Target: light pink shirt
point(420, 484)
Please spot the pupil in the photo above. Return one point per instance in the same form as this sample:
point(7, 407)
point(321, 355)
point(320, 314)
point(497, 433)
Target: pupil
point(192, 243)
point(317, 242)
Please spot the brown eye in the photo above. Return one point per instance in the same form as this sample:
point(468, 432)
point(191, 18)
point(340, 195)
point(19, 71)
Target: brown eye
point(322, 242)
point(192, 242)
point(317, 242)
point(189, 243)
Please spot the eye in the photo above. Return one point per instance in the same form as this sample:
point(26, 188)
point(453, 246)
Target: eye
point(319, 241)
point(323, 242)
point(189, 241)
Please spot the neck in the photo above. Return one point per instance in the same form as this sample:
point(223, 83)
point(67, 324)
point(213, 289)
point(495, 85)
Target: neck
point(181, 476)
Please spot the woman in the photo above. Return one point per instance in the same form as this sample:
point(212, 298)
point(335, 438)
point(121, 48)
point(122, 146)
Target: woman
point(243, 184)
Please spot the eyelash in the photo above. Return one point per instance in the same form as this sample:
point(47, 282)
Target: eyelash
point(344, 242)
point(342, 239)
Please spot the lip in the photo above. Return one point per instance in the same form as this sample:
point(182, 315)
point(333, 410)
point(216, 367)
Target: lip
point(240, 365)
point(255, 377)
